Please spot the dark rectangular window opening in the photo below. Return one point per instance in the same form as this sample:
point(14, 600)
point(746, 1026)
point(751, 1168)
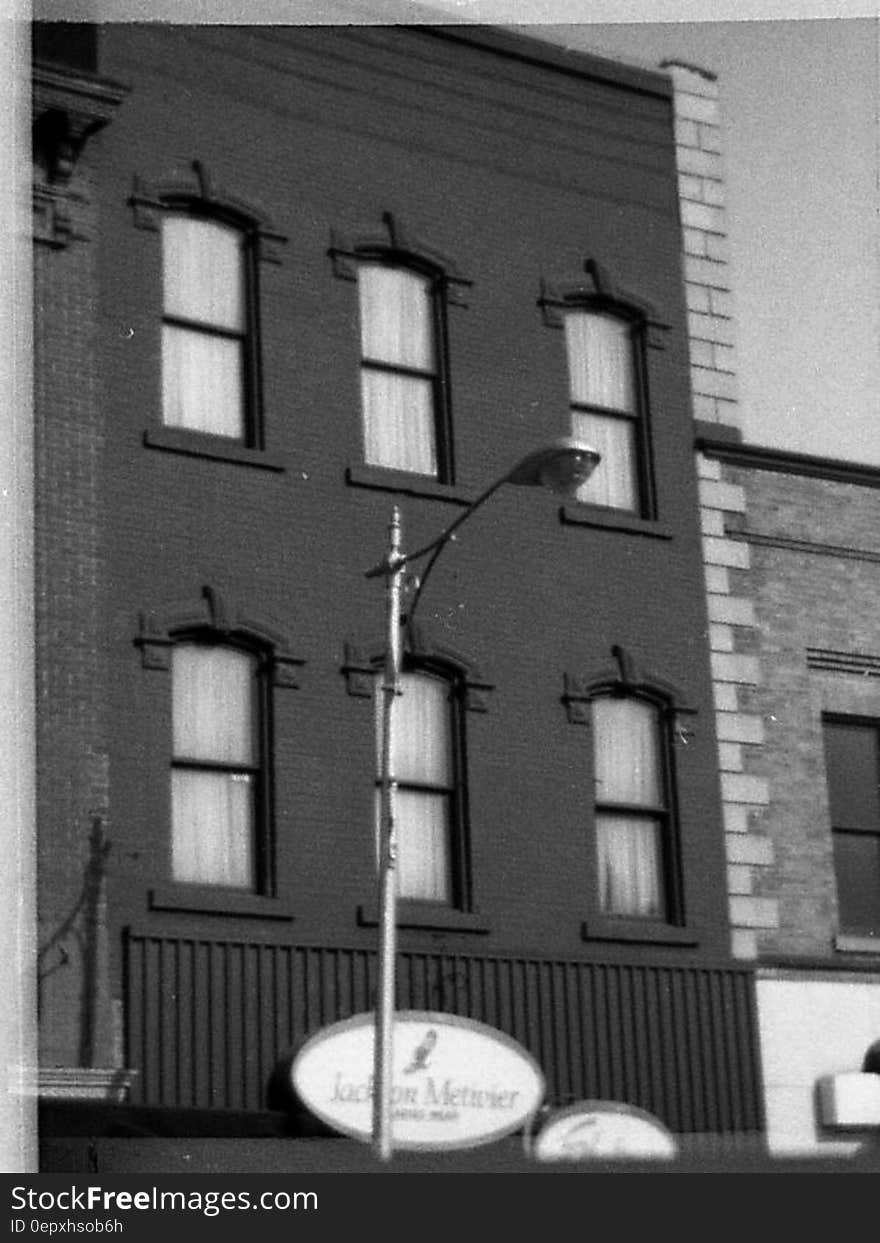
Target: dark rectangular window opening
point(852, 766)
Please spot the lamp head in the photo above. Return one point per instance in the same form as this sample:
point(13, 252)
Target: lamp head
point(563, 466)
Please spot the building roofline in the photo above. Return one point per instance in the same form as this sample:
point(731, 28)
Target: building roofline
point(516, 46)
point(674, 63)
point(552, 56)
point(722, 442)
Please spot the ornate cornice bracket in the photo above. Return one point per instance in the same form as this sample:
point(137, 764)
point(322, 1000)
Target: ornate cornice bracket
point(68, 109)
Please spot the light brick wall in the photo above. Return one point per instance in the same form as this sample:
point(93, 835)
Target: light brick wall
point(736, 669)
point(770, 602)
point(704, 237)
point(736, 672)
point(815, 579)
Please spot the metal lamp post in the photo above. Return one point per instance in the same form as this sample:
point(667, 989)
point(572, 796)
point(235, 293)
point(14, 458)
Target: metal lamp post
point(563, 466)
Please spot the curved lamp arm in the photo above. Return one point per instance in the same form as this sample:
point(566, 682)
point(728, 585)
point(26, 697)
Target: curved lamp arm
point(436, 547)
point(563, 466)
point(392, 562)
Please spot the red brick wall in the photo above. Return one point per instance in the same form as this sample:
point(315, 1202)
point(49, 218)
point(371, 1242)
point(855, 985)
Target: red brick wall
point(71, 603)
point(332, 140)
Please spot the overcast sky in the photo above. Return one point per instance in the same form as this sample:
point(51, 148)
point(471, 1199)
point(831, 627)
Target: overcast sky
point(802, 135)
point(799, 102)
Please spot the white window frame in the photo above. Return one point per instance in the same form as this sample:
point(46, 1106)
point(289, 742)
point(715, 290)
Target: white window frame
point(637, 903)
point(601, 419)
point(386, 445)
point(234, 416)
point(452, 893)
point(246, 866)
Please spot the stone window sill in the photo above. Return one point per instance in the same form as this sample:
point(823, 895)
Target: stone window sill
point(646, 931)
point(384, 479)
point(613, 520)
point(428, 916)
point(217, 900)
point(848, 943)
point(217, 448)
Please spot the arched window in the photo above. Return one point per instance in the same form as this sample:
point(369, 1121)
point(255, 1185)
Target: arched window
point(208, 348)
point(605, 402)
point(223, 665)
point(427, 764)
point(218, 767)
point(609, 338)
point(405, 424)
point(212, 247)
point(404, 291)
point(632, 813)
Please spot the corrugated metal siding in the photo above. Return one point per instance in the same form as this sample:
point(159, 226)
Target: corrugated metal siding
point(206, 1020)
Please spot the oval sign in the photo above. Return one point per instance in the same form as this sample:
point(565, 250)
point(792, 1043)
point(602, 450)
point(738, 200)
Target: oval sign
point(603, 1129)
point(456, 1083)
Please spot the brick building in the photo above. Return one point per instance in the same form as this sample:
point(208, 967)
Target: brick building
point(806, 528)
point(791, 552)
point(286, 278)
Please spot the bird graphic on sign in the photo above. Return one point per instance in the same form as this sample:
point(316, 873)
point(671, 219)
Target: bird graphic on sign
point(421, 1053)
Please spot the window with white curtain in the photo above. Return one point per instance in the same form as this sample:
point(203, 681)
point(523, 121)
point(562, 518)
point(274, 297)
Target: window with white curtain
point(216, 765)
point(631, 806)
point(424, 765)
point(403, 423)
point(604, 403)
point(204, 326)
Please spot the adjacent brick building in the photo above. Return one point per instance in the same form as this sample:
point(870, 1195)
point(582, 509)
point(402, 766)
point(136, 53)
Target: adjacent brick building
point(793, 589)
point(808, 528)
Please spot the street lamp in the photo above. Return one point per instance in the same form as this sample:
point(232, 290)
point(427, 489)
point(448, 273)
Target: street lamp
point(563, 466)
